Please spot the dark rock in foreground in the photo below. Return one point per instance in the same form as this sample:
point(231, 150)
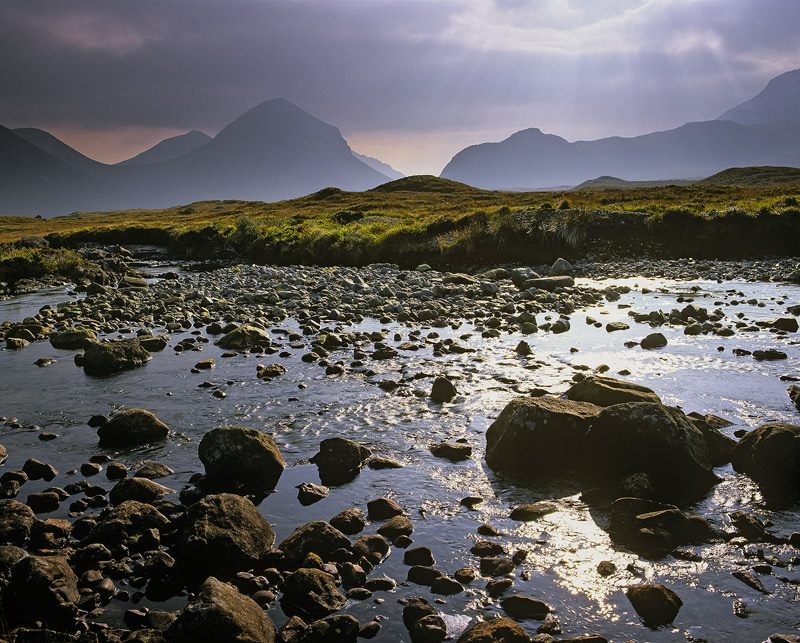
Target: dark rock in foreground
point(494, 631)
point(770, 455)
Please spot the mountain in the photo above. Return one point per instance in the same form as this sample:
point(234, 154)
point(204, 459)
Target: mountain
point(762, 176)
point(380, 166)
point(602, 182)
point(274, 151)
point(778, 101)
point(169, 148)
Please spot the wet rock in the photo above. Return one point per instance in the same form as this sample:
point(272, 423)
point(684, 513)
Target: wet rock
point(606, 568)
point(548, 284)
point(655, 604)
point(16, 521)
point(105, 358)
point(222, 534)
point(316, 537)
point(132, 427)
point(653, 439)
point(446, 586)
point(339, 460)
point(561, 267)
point(372, 547)
point(309, 493)
point(498, 586)
point(532, 511)
point(205, 364)
point(42, 588)
point(654, 340)
point(271, 371)
point(454, 451)
point(3, 454)
point(443, 390)
point(43, 502)
point(350, 521)
point(605, 391)
point(379, 462)
point(383, 508)
point(153, 471)
point(140, 489)
point(74, 338)
point(751, 580)
point(770, 455)
point(36, 470)
point(769, 355)
point(794, 395)
point(242, 459)
point(424, 574)
point(496, 566)
point(395, 527)
point(219, 613)
point(245, 336)
point(747, 526)
point(423, 621)
point(154, 344)
point(369, 630)
point(523, 607)
point(538, 425)
point(720, 446)
point(788, 324)
point(419, 556)
point(311, 592)
point(126, 524)
point(340, 628)
point(495, 630)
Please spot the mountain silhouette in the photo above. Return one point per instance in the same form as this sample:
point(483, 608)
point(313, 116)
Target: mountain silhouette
point(274, 151)
point(778, 101)
point(170, 148)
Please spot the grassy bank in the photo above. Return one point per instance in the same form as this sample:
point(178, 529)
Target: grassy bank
point(443, 222)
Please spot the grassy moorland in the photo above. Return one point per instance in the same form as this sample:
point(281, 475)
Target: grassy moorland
point(424, 218)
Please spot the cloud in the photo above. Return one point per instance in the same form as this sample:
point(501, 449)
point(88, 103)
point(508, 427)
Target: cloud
point(395, 68)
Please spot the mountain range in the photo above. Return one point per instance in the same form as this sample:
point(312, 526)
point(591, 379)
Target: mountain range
point(272, 152)
point(762, 131)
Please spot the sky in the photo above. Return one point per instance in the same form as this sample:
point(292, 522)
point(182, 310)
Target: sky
point(411, 82)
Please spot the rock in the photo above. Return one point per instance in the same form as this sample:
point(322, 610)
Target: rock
point(271, 371)
point(419, 556)
point(241, 459)
point(654, 340)
point(16, 343)
point(656, 604)
point(548, 283)
point(339, 628)
point(205, 364)
point(140, 489)
point(788, 324)
point(154, 344)
point(605, 391)
point(446, 586)
point(126, 524)
point(397, 526)
point(612, 327)
point(350, 521)
point(518, 606)
point(424, 575)
point(495, 630)
point(720, 446)
point(496, 566)
point(372, 547)
point(310, 493)
point(136, 283)
point(245, 336)
point(132, 427)
point(153, 471)
point(443, 390)
point(9, 556)
point(538, 425)
point(769, 355)
point(43, 502)
point(311, 592)
point(452, 450)
point(339, 460)
point(3, 454)
point(16, 521)
point(316, 537)
point(219, 613)
point(105, 358)
point(794, 395)
point(379, 462)
point(42, 588)
point(383, 508)
point(560, 268)
point(770, 455)
point(523, 348)
point(532, 511)
point(606, 568)
point(74, 338)
point(653, 439)
point(423, 621)
point(36, 470)
point(222, 534)
point(751, 580)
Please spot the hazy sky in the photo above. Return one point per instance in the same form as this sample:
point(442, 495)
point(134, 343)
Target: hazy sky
point(408, 81)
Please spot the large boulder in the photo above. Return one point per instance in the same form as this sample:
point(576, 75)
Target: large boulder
point(241, 459)
point(132, 427)
point(720, 446)
point(10, 555)
point(16, 521)
point(219, 613)
point(104, 358)
point(125, 524)
point(537, 435)
point(245, 336)
point(317, 537)
point(495, 630)
point(222, 534)
point(605, 391)
point(770, 455)
point(656, 440)
point(339, 460)
point(43, 588)
point(73, 338)
point(311, 592)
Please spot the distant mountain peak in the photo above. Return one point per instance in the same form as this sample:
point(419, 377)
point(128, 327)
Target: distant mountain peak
point(778, 101)
point(170, 148)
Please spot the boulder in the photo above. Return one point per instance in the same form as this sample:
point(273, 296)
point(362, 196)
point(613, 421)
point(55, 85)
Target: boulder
point(9, 556)
point(423, 621)
point(219, 613)
point(154, 344)
point(339, 628)
point(310, 493)
point(548, 283)
point(605, 391)
point(311, 592)
point(395, 527)
point(656, 440)
point(794, 395)
point(16, 521)
point(495, 630)
point(373, 547)
point(770, 455)
point(518, 606)
point(239, 458)
point(139, 489)
point(105, 358)
point(245, 336)
point(317, 537)
point(74, 338)
point(349, 521)
point(454, 451)
point(132, 427)
point(125, 524)
point(3, 454)
point(656, 604)
point(532, 511)
point(561, 267)
point(43, 588)
point(222, 534)
point(339, 460)
point(654, 340)
point(720, 446)
point(443, 390)
point(383, 508)
point(537, 435)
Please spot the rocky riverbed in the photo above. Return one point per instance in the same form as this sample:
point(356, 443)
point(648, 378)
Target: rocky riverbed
point(369, 491)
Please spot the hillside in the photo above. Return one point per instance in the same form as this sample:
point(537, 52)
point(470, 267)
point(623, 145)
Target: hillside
point(764, 176)
point(778, 101)
point(169, 148)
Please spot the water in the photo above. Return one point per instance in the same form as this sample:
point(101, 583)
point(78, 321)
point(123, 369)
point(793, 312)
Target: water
point(305, 406)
